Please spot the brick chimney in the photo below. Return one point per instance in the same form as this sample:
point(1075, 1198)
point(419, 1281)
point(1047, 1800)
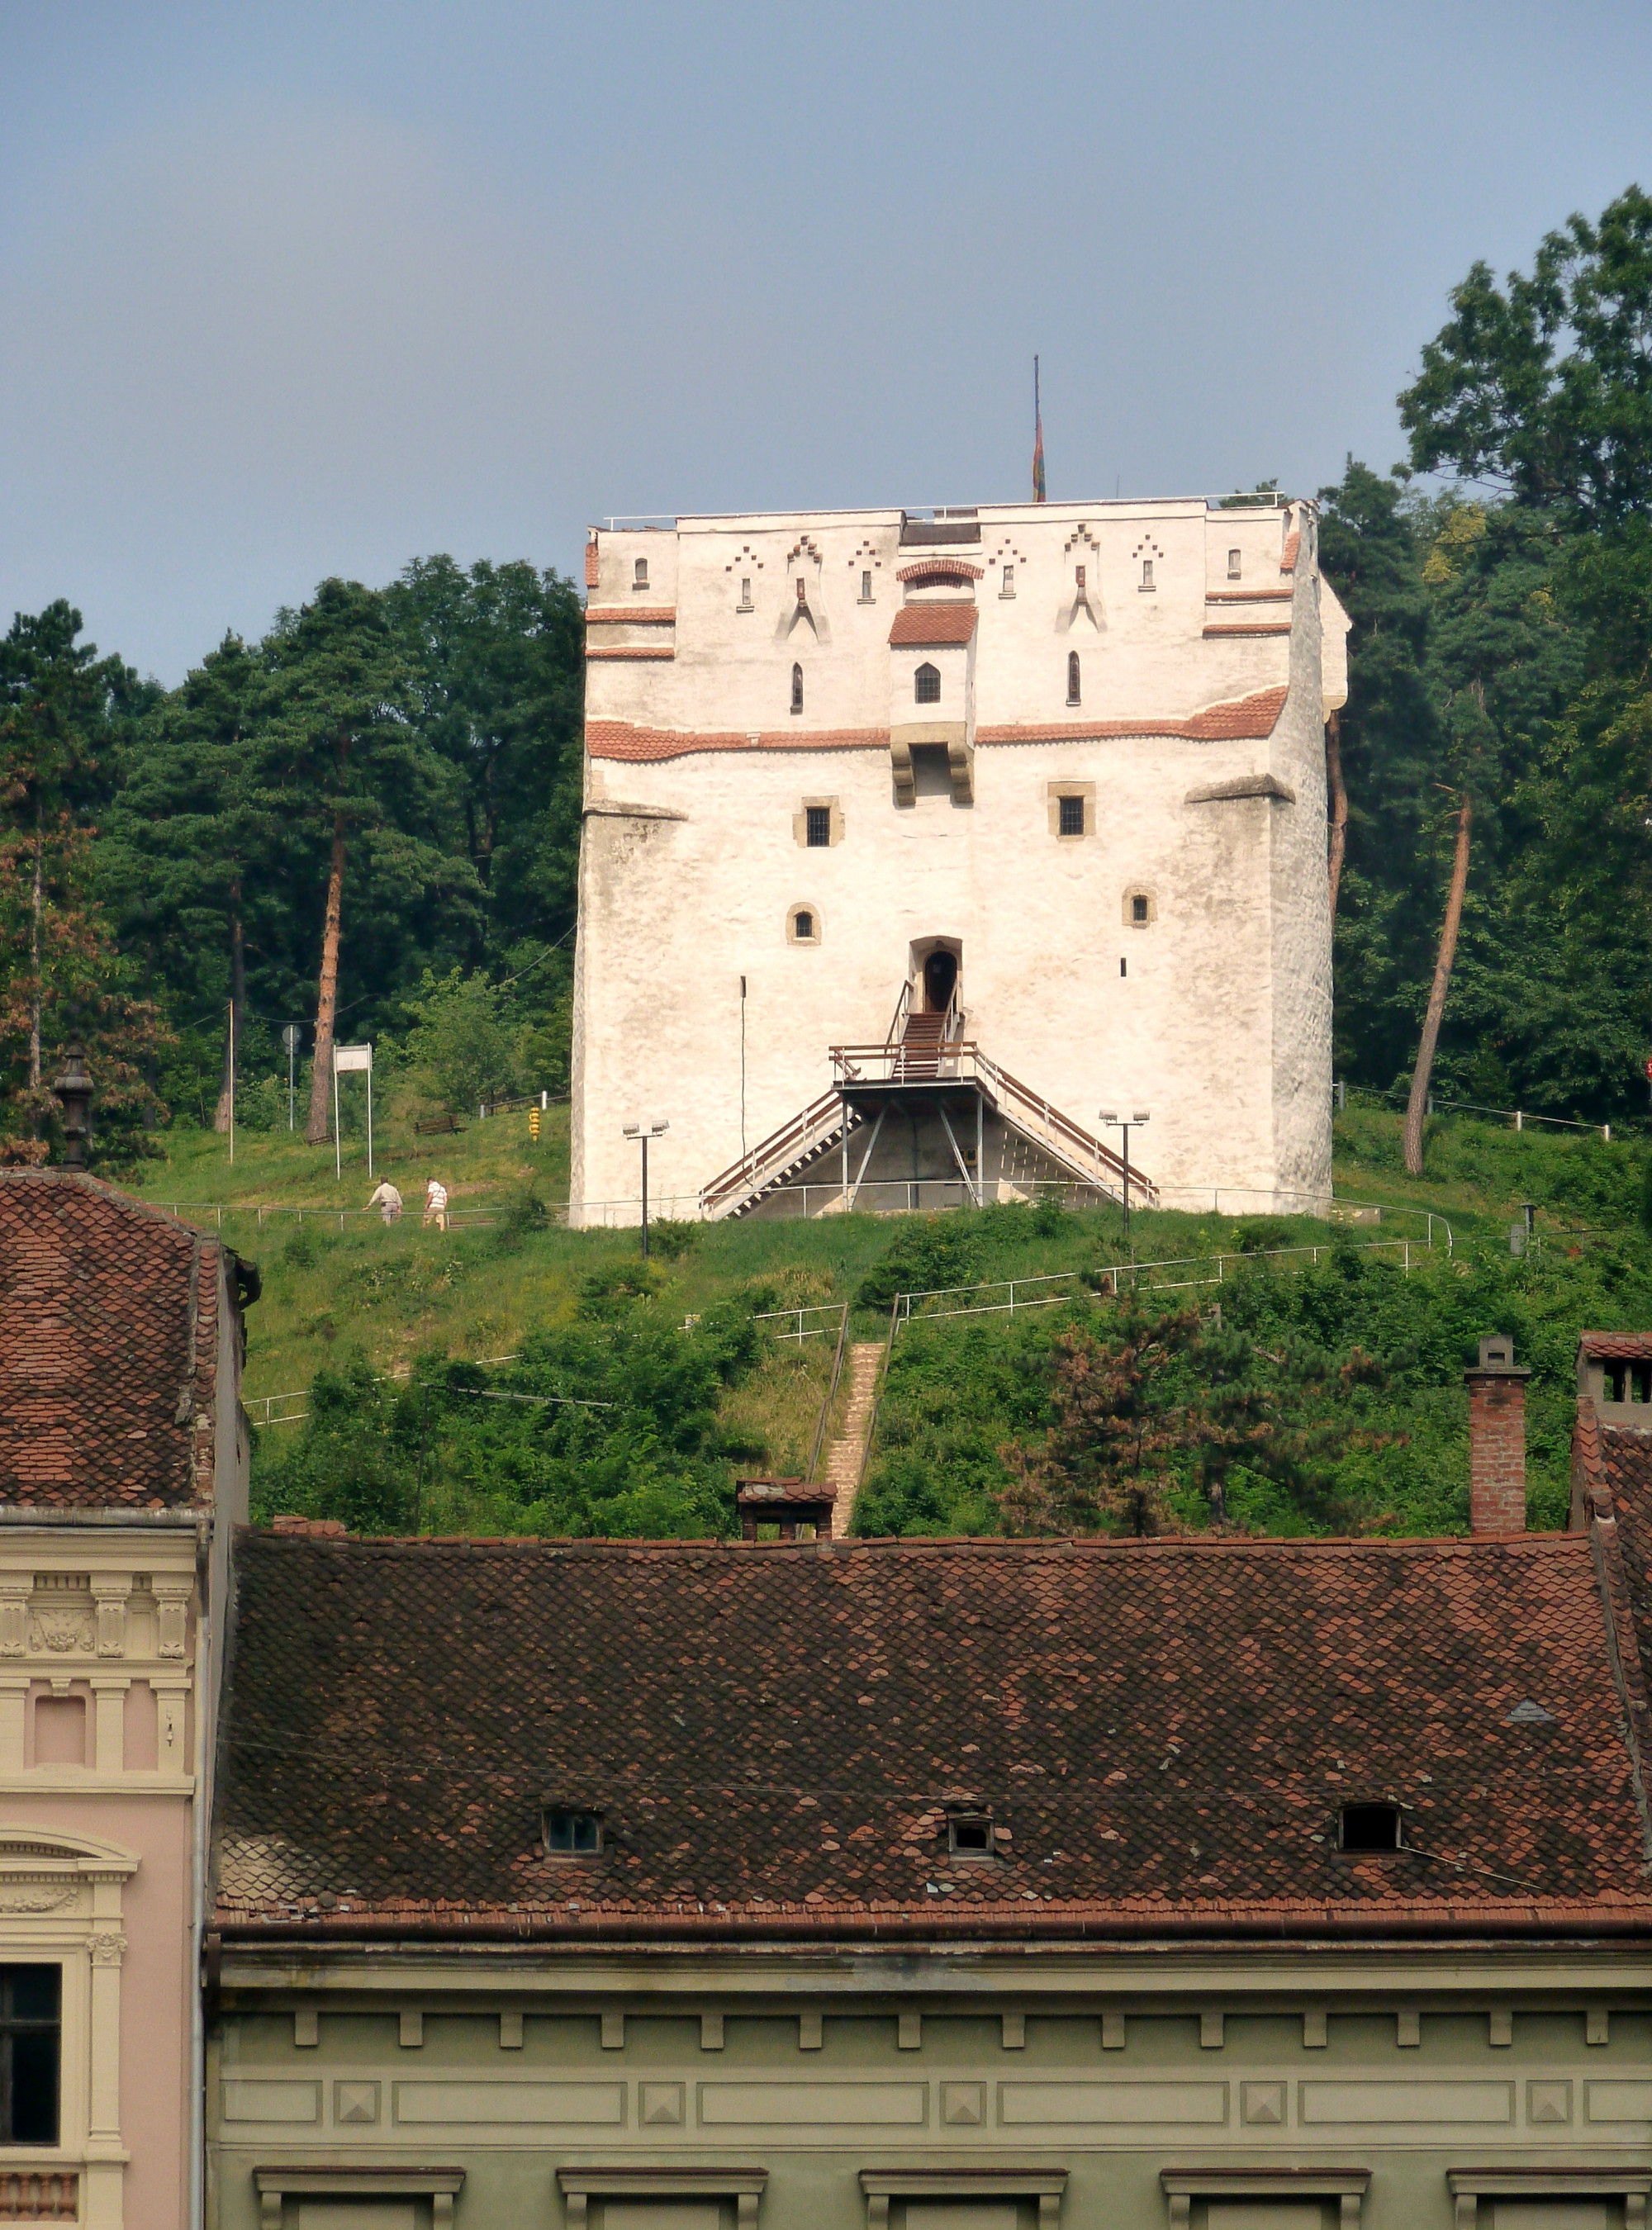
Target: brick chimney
point(1497, 1438)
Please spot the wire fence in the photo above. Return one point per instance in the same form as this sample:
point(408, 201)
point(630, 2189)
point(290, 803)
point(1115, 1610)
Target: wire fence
point(1518, 1118)
point(1117, 1277)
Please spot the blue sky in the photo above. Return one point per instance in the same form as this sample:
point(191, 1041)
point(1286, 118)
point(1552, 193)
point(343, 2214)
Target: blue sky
point(298, 289)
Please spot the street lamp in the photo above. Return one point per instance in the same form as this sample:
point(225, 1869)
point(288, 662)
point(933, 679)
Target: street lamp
point(646, 1127)
point(1112, 1121)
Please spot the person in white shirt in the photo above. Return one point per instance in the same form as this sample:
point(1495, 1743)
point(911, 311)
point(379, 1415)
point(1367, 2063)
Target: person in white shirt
point(386, 1198)
point(435, 1204)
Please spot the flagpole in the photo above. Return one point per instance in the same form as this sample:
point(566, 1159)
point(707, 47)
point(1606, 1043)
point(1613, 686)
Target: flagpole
point(1038, 439)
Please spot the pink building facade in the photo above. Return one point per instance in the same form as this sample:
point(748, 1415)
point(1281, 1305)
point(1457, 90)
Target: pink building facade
point(123, 1470)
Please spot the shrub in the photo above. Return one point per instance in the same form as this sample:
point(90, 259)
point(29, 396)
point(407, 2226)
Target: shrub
point(926, 1252)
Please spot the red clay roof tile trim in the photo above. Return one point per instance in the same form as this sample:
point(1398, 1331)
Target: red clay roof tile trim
point(941, 568)
point(1243, 720)
point(933, 627)
point(630, 615)
point(1240, 627)
point(620, 739)
point(1240, 719)
point(1287, 558)
point(592, 562)
point(1249, 596)
point(1616, 1346)
point(631, 650)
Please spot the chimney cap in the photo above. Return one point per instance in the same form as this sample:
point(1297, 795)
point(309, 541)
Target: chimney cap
point(1497, 1358)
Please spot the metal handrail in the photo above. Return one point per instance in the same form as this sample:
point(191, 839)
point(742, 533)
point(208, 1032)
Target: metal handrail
point(831, 1396)
point(744, 1175)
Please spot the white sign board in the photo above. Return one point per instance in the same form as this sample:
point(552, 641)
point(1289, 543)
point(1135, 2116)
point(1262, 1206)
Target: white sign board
point(347, 1059)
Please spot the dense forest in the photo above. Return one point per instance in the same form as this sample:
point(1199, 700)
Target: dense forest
point(366, 823)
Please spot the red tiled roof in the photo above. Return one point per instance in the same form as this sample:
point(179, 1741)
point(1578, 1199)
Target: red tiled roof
point(630, 650)
point(1616, 1346)
point(592, 562)
point(1241, 627)
point(1612, 1467)
point(1287, 557)
point(1249, 596)
point(933, 627)
point(1240, 719)
point(941, 568)
point(630, 615)
point(1164, 1732)
point(109, 1348)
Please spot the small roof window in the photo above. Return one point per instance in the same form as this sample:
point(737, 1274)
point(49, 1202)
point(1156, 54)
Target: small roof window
point(1372, 1828)
point(571, 1834)
point(971, 1834)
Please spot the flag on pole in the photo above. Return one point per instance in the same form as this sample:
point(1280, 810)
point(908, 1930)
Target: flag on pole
point(1038, 440)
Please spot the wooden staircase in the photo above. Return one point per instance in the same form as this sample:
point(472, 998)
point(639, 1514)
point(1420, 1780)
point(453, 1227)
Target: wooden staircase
point(920, 1045)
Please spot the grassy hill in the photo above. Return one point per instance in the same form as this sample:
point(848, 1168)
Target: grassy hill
point(383, 1330)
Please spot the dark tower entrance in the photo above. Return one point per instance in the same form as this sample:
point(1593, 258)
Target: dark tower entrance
point(940, 980)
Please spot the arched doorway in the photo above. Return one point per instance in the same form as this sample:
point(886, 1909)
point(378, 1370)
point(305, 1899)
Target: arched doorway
point(940, 980)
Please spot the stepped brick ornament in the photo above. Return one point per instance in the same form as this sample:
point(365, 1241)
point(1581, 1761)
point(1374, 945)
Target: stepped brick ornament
point(74, 1090)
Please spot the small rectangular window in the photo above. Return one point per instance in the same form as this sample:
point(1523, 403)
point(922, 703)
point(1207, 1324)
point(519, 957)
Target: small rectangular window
point(1138, 907)
point(572, 1834)
point(820, 825)
point(803, 589)
point(1233, 565)
point(639, 574)
point(1009, 581)
point(1147, 572)
point(969, 1835)
point(1371, 1827)
point(1072, 815)
point(866, 588)
point(745, 593)
point(31, 2047)
point(1078, 574)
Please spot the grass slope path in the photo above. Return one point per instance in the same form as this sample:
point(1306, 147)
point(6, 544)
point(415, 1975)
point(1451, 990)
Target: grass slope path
point(845, 1455)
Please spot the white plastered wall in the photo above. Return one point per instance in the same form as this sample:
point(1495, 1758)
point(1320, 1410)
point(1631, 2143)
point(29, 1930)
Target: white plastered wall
point(691, 866)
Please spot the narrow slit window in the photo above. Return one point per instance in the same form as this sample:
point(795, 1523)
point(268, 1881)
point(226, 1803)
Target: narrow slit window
point(1079, 576)
point(1138, 907)
point(819, 830)
point(1147, 572)
point(1234, 567)
point(1073, 692)
point(745, 593)
point(1124, 965)
point(30, 2053)
point(803, 589)
point(796, 688)
point(926, 685)
point(1071, 813)
point(639, 574)
point(1009, 581)
point(569, 1835)
point(866, 588)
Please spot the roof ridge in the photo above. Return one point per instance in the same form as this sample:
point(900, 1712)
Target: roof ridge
point(1049, 1545)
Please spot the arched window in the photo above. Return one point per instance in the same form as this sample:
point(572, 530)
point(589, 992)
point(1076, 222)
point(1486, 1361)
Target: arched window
point(1072, 677)
point(639, 574)
point(926, 684)
point(796, 688)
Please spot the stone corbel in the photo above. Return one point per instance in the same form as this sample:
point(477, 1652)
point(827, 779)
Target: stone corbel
point(960, 765)
point(440, 2186)
point(965, 2180)
point(1347, 2187)
point(15, 1589)
point(172, 1709)
point(109, 1594)
point(906, 783)
point(172, 1591)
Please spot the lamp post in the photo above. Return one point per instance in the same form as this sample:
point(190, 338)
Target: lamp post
point(646, 1127)
point(1112, 1121)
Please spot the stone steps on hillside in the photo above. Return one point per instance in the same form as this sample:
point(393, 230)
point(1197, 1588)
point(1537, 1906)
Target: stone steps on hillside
point(845, 1455)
